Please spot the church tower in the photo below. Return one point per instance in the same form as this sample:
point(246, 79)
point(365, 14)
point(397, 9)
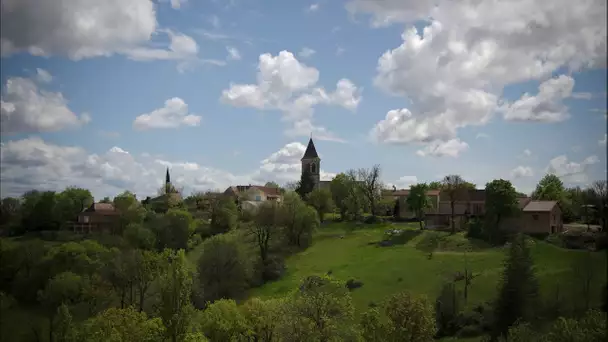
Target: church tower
point(168, 183)
point(312, 162)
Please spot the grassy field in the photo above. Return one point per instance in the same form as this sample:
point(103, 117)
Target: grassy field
point(386, 270)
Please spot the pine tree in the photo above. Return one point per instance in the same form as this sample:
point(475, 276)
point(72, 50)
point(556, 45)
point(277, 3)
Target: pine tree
point(519, 289)
point(306, 184)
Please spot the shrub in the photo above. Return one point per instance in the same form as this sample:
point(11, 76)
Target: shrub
point(352, 284)
point(475, 229)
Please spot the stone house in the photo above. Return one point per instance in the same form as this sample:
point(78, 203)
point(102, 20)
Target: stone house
point(98, 218)
point(536, 217)
point(401, 195)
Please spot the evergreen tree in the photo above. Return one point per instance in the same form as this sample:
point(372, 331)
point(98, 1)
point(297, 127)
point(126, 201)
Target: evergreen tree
point(306, 184)
point(519, 289)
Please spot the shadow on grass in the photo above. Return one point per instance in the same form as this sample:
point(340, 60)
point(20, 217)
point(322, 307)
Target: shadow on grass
point(445, 242)
point(397, 239)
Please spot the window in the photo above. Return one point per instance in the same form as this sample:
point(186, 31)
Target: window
point(84, 219)
point(313, 168)
point(535, 217)
point(258, 198)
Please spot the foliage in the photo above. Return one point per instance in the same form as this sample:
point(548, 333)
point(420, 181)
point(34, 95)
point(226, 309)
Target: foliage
point(175, 308)
point(224, 270)
point(417, 200)
point(320, 199)
point(519, 290)
point(371, 186)
point(455, 188)
point(263, 318)
point(501, 202)
point(174, 229)
point(549, 188)
point(130, 209)
point(265, 229)
point(320, 310)
point(117, 325)
point(339, 187)
point(306, 184)
point(224, 215)
point(139, 237)
point(447, 308)
point(373, 328)
point(223, 321)
point(590, 327)
point(298, 221)
point(410, 318)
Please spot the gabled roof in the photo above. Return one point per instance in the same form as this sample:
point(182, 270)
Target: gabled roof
point(311, 151)
point(104, 208)
point(242, 188)
point(540, 206)
point(406, 192)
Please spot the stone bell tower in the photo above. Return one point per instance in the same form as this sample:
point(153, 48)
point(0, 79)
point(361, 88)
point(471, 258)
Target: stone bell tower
point(312, 163)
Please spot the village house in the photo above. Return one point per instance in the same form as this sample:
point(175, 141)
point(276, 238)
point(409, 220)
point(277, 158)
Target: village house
point(534, 217)
point(252, 196)
point(98, 218)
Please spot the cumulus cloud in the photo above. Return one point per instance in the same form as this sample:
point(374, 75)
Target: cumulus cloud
point(285, 84)
point(451, 148)
point(173, 115)
point(87, 28)
point(454, 69)
point(404, 182)
point(546, 106)
point(522, 171)
point(569, 171)
point(25, 108)
point(33, 163)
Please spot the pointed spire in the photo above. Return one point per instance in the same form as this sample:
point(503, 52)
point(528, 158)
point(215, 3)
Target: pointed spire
point(311, 151)
point(167, 177)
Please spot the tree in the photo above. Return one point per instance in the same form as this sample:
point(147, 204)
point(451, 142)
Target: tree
point(549, 188)
point(373, 328)
point(223, 321)
point(410, 318)
point(599, 197)
point(453, 185)
point(321, 310)
point(501, 202)
point(435, 185)
point(10, 208)
point(175, 308)
point(64, 288)
point(224, 270)
point(139, 237)
point(306, 184)
point(224, 215)
point(72, 201)
point(263, 318)
point(117, 325)
point(339, 187)
point(147, 267)
point(119, 274)
point(355, 201)
point(38, 211)
point(371, 186)
point(272, 185)
point(106, 200)
point(130, 209)
point(298, 220)
point(265, 226)
point(179, 227)
point(320, 199)
point(518, 292)
point(447, 309)
point(418, 201)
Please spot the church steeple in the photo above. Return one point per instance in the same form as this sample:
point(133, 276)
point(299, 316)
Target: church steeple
point(311, 151)
point(167, 177)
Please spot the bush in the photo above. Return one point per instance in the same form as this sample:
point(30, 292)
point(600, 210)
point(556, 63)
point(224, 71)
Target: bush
point(469, 331)
point(475, 229)
point(352, 284)
point(194, 241)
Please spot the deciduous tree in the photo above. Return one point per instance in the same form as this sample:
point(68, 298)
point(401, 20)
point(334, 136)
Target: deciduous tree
point(501, 202)
point(320, 199)
point(371, 186)
point(418, 201)
point(453, 185)
point(175, 308)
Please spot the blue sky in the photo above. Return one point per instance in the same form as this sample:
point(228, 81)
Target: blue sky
point(232, 91)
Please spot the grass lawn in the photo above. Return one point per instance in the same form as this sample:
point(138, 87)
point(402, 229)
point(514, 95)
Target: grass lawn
point(386, 270)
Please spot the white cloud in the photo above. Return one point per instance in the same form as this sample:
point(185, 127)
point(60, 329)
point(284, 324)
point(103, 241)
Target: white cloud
point(88, 28)
point(571, 171)
point(451, 148)
point(602, 142)
point(177, 4)
point(25, 108)
point(454, 70)
point(35, 164)
point(527, 152)
point(215, 21)
point(546, 106)
point(173, 115)
point(522, 171)
point(285, 84)
point(582, 96)
point(313, 8)
point(404, 182)
point(233, 53)
point(482, 136)
point(306, 52)
point(43, 76)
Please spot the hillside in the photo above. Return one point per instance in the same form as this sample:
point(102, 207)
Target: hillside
point(386, 270)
